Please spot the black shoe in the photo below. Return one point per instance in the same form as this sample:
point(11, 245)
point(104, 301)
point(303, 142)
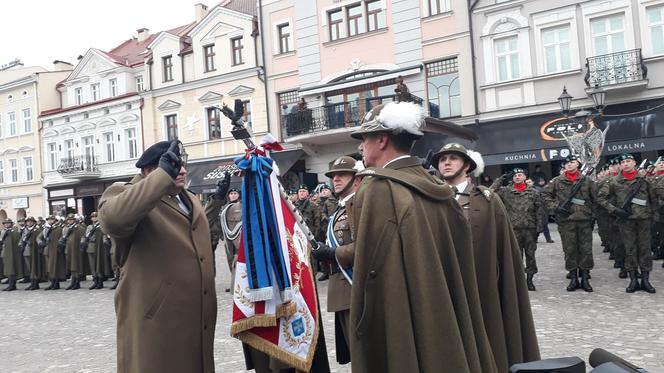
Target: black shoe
point(34, 285)
point(77, 284)
point(71, 283)
point(100, 283)
point(623, 273)
point(585, 284)
point(115, 285)
point(57, 285)
point(94, 284)
point(529, 282)
point(633, 283)
point(618, 264)
point(323, 277)
point(50, 286)
point(645, 283)
point(11, 285)
point(550, 241)
point(606, 249)
point(574, 281)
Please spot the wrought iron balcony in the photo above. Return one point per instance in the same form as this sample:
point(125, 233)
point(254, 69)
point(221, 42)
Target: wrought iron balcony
point(79, 167)
point(615, 68)
point(330, 117)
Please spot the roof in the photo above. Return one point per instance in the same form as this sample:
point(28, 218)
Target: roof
point(70, 108)
point(242, 6)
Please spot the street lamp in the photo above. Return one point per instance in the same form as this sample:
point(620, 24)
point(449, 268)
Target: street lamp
point(565, 101)
point(599, 97)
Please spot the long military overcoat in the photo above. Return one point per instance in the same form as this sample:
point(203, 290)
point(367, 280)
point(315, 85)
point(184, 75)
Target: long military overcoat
point(166, 303)
point(412, 310)
point(55, 260)
point(11, 254)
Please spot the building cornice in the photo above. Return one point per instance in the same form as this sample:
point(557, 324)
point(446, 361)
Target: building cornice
point(224, 78)
point(19, 82)
point(119, 100)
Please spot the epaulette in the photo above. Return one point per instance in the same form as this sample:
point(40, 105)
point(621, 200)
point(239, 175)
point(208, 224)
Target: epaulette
point(486, 192)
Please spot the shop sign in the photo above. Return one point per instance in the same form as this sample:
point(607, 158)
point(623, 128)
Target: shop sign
point(61, 193)
point(20, 203)
point(218, 173)
point(90, 190)
point(557, 129)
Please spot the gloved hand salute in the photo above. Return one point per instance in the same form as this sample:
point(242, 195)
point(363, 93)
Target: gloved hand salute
point(223, 185)
point(170, 161)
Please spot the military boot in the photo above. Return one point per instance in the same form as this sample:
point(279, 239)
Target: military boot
point(57, 285)
point(633, 282)
point(574, 281)
point(529, 282)
point(622, 273)
point(11, 284)
point(585, 284)
point(77, 284)
point(618, 264)
point(95, 281)
point(606, 248)
point(50, 286)
point(71, 283)
point(34, 285)
point(570, 274)
point(115, 284)
point(100, 283)
point(645, 283)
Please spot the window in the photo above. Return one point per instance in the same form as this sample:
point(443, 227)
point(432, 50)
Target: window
point(27, 163)
point(438, 7)
point(247, 113)
point(287, 103)
point(556, 45)
point(655, 16)
point(214, 125)
point(608, 34)
point(132, 149)
point(443, 88)
point(284, 32)
point(13, 171)
point(2, 172)
point(52, 151)
point(236, 43)
point(89, 149)
point(139, 84)
point(172, 126)
point(69, 149)
point(109, 147)
point(78, 96)
point(167, 64)
point(375, 16)
point(12, 123)
point(208, 51)
point(27, 121)
point(507, 58)
point(355, 24)
point(335, 19)
point(113, 85)
point(94, 92)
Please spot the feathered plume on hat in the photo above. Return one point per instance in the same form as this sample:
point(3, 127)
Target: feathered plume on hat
point(479, 161)
point(402, 116)
point(359, 166)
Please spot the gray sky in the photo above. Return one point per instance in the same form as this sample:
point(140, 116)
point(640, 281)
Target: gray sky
point(40, 31)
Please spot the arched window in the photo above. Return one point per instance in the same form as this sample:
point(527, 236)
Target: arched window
point(443, 88)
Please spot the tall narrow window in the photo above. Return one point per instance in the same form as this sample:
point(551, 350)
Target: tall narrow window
point(13, 171)
point(132, 148)
point(69, 149)
point(247, 113)
point(355, 24)
point(27, 164)
point(284, 32)
point(113, 85)
point(507, 58)
point(335, 20)
point(236, 43)
point(89, 149)
point(167, 65)
point(109, 147)
point(52, 153)
point(443, 88)
point(2, 172)
point(375, 16)
point(556, 44)
point(214, 125)
point(12, 123)
point(94, 92)
point(172, 126)
point(438, 7)
point(656, 26)
point(608, 34)
point(139, 84)
point(78, 96)
point(209, 57)
point(27, 121)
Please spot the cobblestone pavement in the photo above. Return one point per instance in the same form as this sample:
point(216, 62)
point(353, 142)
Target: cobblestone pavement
point(74, 331)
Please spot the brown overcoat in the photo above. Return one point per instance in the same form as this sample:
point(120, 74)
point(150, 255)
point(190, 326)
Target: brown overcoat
point(75, 262)
point(414, 300)
point(504, 296)
point(55, 260)
point(166, 303)
point(12, 258)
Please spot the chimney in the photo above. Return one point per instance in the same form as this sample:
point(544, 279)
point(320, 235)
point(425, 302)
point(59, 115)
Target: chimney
point(201, 10)
point(62, 66)
point(143, 34)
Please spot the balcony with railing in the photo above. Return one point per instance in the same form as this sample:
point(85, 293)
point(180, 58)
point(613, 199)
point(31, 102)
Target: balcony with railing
point(616, 70)
point(323, 120)
point(79, 167)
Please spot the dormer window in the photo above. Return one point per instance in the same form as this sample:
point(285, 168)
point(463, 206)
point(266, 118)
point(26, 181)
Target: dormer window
point(113, 87)
point(167, 65)
point(208, 50)
point(78, 96)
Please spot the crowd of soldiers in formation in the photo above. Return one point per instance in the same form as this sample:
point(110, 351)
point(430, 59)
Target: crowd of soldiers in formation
point(57, 249)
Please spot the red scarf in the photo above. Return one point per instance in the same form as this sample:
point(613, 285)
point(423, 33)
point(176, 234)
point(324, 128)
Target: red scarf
point(520, 187)
point(660, 172)
point(630, 175)
point(572, 176)
point(614, 174)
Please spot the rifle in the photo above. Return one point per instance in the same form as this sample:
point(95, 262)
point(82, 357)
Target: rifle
point(62, 242)
point(627, 204)
point(564, 208)
point(426, 162)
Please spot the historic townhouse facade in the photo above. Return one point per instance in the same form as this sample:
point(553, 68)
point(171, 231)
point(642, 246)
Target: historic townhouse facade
point(527, 51)
point(215, 59)
point(24, 92)
point(328, 62)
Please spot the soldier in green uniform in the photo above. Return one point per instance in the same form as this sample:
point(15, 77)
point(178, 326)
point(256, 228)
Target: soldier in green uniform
point(523, 205)
point(339, 237)
point(11, 254)
point(635, 219)
point(574, 215)
point(327, 204)
point(309, 211)
point(617, 247)
point(29, 242)
point(212, 212)
point(658, 227)
point(602, 216)
point(25, 254)
point(54, 252)
point(292, 196)
point(91, 244)
point(71, 239)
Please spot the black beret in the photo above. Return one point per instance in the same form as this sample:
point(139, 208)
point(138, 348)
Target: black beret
point(151, 155)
